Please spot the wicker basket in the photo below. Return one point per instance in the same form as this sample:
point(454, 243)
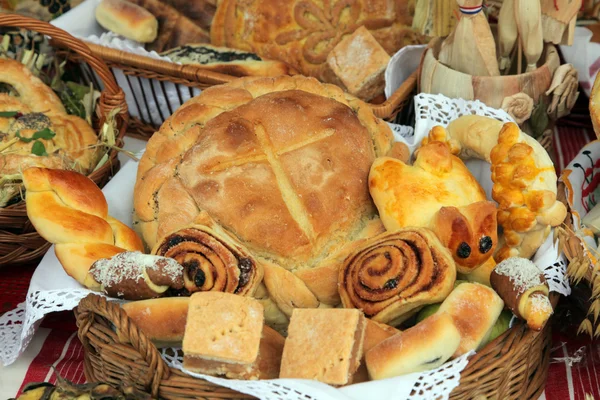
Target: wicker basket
point(19, 242)
point(153, 78)
point(513, 366)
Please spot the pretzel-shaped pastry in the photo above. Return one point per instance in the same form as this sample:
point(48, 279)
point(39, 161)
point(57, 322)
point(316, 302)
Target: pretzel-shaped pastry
point(69, 210)
point(523, 175)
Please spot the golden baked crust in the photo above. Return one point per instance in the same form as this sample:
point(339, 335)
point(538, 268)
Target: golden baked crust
point(424, 346)
point(523, 175)
point(72, 145)
point(68, 209)
point(127, 19)
point(474, 309)
point(437, 192)
point(324, 345)
point(280, 165)
point(302, 33)
point(162, 320)
point(222, 334)
point(392, 275)
point(290, 166)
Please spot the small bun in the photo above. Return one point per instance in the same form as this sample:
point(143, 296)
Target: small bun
point(128, 20)
point(426, 345)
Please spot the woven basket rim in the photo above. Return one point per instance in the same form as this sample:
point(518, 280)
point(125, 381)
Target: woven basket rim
point(111, 97)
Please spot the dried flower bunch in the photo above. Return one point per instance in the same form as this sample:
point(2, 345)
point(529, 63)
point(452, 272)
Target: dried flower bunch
point(583, 266)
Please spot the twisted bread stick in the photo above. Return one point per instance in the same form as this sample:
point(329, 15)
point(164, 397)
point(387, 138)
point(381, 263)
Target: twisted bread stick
point(523, 175)
point(69, 210)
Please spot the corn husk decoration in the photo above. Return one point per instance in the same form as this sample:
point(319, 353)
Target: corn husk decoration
point(470, 48)
point(435, 18)
point(528, 15)
point(564, 91)
point(558, 20)
point(507, 34)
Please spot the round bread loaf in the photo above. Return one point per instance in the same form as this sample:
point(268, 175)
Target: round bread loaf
point(280, 165)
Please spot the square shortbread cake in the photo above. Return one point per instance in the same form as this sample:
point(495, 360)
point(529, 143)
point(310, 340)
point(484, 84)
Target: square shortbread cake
point(359, 61)
point(324, 344)
point(222, 335)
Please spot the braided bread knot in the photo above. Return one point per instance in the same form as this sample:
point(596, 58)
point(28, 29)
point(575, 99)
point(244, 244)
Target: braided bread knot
point(523, 176)
point(70, 211)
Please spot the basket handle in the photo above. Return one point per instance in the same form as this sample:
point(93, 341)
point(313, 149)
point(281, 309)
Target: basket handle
point(383, 110)
point(127, 331)
point(112, 96)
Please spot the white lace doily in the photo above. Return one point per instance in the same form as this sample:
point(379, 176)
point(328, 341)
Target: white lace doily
point(434, 384)
point(401, 132)
point(437, 109)
point(18, 326)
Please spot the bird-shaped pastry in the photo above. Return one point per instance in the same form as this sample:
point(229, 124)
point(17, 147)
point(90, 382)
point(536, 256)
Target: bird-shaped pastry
point(437, 192)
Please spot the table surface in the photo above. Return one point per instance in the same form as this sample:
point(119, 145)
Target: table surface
point(574, 365)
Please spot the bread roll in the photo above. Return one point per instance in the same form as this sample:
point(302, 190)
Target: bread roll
point(132, 275)
point(128, 20)
point(375, 333)
point(474, 309)
point(162, 320)
point(69, 143)
point(68, 209)
point(212, 260)
point(227, 61)
point(426, 345)
point(174, 28)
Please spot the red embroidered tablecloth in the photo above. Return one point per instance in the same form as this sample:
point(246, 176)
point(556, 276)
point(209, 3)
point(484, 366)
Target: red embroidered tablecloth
point(575, 361)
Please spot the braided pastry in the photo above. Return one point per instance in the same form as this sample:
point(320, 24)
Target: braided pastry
point(69, 142)
point(396, 273)
point(523, 175)
point(69, 210)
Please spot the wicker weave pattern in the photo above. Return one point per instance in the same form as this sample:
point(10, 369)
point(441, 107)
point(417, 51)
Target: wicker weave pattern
point(19, 242)
point(196, 76)
point(513, 366)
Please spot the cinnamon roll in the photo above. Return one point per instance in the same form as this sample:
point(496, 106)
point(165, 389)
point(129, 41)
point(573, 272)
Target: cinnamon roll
point(396, 273)
point(212, 261)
